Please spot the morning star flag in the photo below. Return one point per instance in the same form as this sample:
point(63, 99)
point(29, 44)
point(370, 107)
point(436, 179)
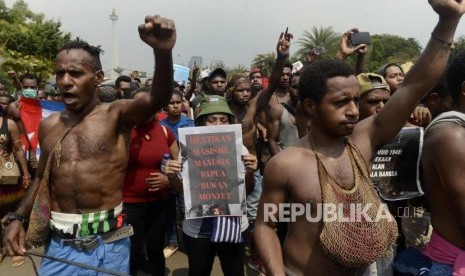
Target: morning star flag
point(32, 112)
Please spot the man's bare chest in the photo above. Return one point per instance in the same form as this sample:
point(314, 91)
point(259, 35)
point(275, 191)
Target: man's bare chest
point(306, 187)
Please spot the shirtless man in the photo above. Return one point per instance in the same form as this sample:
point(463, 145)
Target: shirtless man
point(282, 90)
point(330, 94)
point(86, 176)
point(443, 177)
point(282, 126)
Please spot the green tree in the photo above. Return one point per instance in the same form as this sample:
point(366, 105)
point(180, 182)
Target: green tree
point(319, 37)
point(459, 46)
point(239, 69)
point(388, 48)
point(265, 62)
point(29, 42)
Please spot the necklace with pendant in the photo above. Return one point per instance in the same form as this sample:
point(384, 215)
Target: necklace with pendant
point(147, 136)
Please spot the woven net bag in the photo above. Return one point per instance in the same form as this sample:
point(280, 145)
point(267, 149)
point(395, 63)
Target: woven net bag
point(38, 232)
point(358, 242)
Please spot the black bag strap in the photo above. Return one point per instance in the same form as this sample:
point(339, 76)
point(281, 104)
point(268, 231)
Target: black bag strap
point(4, 123)
point(68, 262)
point(289, 108)
point(4, 129)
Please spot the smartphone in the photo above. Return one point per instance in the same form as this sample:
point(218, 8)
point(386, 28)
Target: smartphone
point(360, 38)
point(319, 50)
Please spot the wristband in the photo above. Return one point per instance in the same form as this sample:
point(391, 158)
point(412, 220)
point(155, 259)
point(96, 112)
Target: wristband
point(10, 216)
point(442, 41)
point(280, 56)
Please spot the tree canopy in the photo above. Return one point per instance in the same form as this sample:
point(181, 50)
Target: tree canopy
point(318, 37)
point(388, 48)
point(459, 46)
point(265, 62)
point(29, 42)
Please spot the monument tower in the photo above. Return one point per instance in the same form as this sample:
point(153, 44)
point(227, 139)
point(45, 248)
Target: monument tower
point(114, 45)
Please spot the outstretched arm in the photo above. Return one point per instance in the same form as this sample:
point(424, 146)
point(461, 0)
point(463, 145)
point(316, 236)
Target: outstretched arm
point(360, 63)
point(346, 49)
point(195, 75)
point(160, 34)
point(14, 78)
point(282, 50)
point(418, 82)
point(261, 102)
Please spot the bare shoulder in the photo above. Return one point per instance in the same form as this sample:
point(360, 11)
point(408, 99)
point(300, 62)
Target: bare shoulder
point(116, 105)
point(276, 111)
point(295, 172)
point(280, 174)
point(10, 122)
point(48, 123)
point(444, 129)
point(291, 162)
point(444, 138)
point(13, 111)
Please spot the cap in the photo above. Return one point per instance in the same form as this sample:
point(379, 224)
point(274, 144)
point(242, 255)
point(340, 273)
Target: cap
point(371, 81)
point(213, 104)
point(255, 70)
point(216, 72)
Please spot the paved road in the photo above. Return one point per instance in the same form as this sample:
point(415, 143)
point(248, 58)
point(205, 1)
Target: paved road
point(176, 266)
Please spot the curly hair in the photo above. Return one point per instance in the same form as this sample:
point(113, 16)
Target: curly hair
point(93, 51)
point(456, 76)
point(313, 78)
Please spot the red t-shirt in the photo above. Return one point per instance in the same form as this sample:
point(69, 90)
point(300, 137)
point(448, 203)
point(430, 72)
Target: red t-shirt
point(161, 115)
point(148, 145)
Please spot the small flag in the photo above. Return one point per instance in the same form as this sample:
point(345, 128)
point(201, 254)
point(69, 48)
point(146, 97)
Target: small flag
point(32, 112)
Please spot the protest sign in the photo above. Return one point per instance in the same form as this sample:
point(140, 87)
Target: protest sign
point(395, 170)
point(213, 172)
point(296, 66)
point(181, 74)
